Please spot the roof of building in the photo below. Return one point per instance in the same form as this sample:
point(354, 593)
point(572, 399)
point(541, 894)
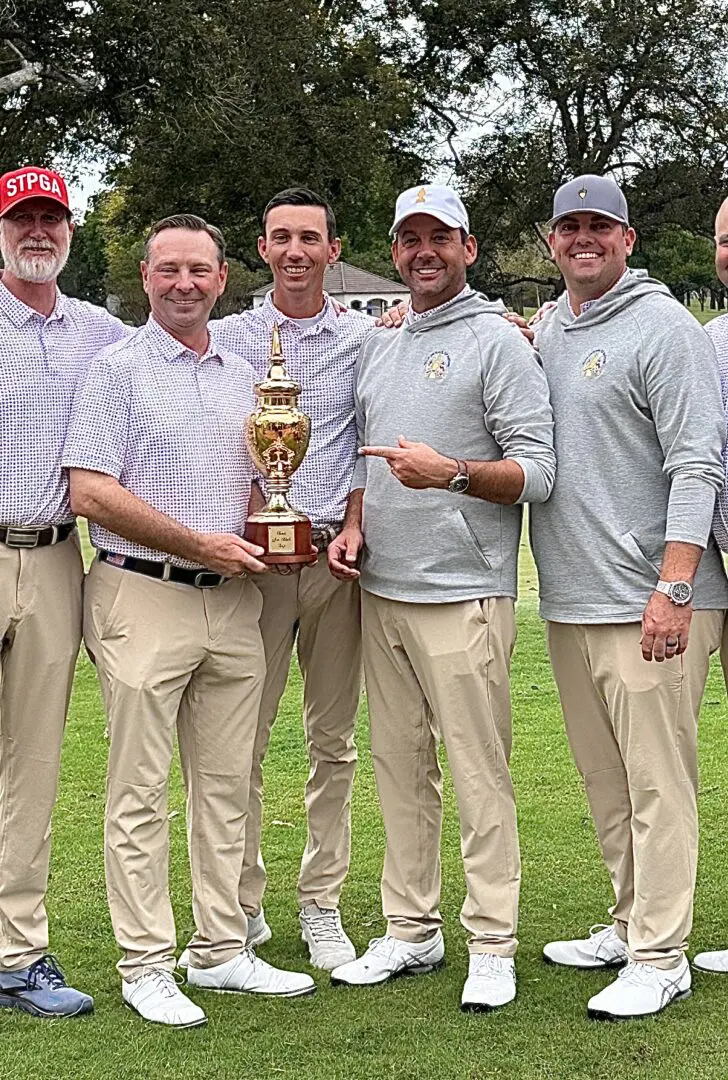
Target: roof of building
point(342, 278)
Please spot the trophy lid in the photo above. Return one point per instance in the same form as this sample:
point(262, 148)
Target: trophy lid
point(277, 381)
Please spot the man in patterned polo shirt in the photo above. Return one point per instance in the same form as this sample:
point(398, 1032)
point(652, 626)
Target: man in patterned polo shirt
point(159, 466)
point(310, 609)
point(717, 960)
point(46, 342)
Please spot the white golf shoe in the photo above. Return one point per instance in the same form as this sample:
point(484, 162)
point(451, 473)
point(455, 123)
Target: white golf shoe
point(602, 949)
point(491, 982)
point(712, 961)
point(388, 957)
point(328, 943)
point(641, 990)
point(156, 996)
point(258, 933)
point(246, 973)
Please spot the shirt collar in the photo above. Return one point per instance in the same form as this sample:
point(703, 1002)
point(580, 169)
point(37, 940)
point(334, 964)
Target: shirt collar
point(19, 313)
point(590, 303)
point(271, 315)
point(172, 349)
point(415, 316)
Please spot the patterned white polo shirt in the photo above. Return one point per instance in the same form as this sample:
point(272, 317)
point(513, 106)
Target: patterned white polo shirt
point(169, 426)
point(42, 358)
point(718, 332)
point(321, 357)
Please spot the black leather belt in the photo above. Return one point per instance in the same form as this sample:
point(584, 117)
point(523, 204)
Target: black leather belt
point(322, 535)
point(163, 571)
point(22, 537)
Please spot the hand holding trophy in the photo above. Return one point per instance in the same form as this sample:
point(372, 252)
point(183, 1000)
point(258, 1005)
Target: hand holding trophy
point(277, 435)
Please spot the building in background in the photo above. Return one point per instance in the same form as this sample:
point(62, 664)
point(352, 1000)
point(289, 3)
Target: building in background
point(355, 288)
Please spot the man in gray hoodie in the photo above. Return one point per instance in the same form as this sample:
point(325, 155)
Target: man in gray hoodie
point(632, 584)
point(437, 518)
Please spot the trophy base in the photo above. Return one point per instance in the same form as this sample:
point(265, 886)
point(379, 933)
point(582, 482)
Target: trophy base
point(283, 542)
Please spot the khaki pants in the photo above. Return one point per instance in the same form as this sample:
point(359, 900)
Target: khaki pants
point(325, 615)
point(442, 670)
point(40, 632)
point(724, 650)
point(175, 657)
point(632, 727)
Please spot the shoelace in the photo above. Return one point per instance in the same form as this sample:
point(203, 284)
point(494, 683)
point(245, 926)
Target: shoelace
point(382, 946)
point(165, 982)
point(637, 973)
point(489, 966)
point(325, 926)
point(46, 971)
point(598, 930)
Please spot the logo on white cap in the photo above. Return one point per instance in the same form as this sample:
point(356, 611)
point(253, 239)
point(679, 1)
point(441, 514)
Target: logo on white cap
point(437, 200)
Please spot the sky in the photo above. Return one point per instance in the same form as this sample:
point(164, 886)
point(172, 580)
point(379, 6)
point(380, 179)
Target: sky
point(83, 189)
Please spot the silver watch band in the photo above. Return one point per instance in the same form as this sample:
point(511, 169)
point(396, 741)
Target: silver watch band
point(679, 592)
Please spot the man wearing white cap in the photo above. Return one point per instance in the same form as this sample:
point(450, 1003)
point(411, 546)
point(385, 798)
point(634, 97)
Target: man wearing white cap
point(46, 343)
point(631, 582)
point(441, 518)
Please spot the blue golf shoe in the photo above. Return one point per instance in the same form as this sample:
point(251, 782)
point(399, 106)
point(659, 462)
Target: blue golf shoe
point(41, 991)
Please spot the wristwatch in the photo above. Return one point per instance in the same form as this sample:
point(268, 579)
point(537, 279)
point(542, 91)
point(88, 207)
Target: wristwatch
point(680, 592)
point(461, 480)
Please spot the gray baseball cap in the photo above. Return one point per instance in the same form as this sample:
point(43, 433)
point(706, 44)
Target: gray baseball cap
point(590, 194)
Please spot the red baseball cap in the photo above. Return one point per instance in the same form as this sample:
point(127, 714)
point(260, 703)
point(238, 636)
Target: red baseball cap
point(31, 182)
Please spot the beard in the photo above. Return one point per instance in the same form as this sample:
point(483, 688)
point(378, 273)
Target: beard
point(35, 262)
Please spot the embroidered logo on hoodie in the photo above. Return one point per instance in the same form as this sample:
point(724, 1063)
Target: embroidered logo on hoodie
point(436, 365)
point(593, 366)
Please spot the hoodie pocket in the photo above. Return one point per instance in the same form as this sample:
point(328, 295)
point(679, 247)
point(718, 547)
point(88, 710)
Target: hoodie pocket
point(647, 549)
point(470, 537)
point(424, 546)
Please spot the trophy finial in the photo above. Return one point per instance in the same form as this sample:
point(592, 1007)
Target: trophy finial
point(276, 352)
point(277, 364)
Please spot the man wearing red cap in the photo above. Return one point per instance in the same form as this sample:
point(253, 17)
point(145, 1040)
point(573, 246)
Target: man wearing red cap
point(46, 341)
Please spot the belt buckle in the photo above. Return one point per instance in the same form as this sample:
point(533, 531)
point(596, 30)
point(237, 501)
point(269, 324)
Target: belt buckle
point(200, 583)
point(21, 538)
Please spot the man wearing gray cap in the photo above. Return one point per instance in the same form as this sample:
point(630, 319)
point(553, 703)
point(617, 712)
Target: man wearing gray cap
point(631, 582)
point(441, 522)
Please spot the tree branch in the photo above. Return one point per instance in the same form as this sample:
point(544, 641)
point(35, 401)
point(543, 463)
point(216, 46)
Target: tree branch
point(29, 73)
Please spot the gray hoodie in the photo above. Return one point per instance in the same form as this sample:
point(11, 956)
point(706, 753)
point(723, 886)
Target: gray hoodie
point(639, 429)
point(464, 381)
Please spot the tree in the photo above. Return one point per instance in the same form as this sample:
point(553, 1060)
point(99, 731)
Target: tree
point(522, 275)
point(61, 85)
point(682, 260)
point(213, 105)
point(635, 88)
point(104, 263)
point(257, 104)
point(86, 270)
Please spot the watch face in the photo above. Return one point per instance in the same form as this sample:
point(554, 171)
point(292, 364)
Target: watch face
point(459, 484)
point(680, 592)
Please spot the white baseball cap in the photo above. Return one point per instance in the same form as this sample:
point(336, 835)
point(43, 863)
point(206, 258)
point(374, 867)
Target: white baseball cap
point(434, 199)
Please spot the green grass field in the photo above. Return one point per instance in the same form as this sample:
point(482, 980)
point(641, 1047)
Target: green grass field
point(704, 316)
point(411, 1028)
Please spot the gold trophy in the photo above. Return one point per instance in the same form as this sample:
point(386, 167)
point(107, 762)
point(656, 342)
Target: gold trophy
point(277, 435)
